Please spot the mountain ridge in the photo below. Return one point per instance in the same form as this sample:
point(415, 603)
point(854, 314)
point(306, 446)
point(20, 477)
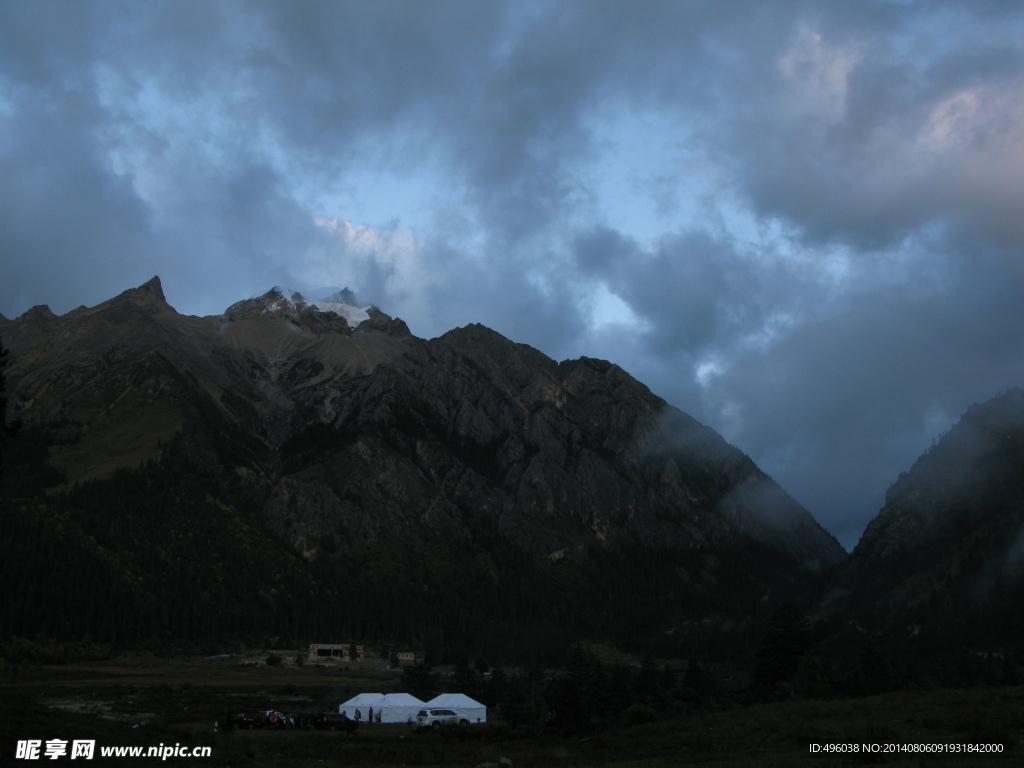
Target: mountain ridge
point(366, 455)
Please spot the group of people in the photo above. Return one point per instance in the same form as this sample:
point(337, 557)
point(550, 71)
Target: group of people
point(369, 716)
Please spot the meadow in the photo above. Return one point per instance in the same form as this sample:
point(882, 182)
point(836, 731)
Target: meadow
point(146, 700)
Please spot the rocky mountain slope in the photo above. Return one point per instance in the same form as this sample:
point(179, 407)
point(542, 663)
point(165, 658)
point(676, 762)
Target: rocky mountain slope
point(467, 486)
point(558, 457)
point(944, 558)
point(107, 385)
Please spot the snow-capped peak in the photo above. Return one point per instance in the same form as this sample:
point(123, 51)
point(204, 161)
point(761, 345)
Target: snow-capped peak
point(281, 297)
point(341, 302)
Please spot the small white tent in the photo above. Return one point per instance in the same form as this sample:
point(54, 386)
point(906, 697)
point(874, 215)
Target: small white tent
point(469, 708)
point(387, 708)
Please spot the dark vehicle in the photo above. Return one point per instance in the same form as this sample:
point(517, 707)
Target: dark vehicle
point(335, 721)
point(305, 720)
point(242, 720)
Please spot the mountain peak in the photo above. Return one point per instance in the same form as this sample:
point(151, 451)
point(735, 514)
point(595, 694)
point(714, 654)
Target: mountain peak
point(149, 296)
point(153, 287)
point(344, 296)
point(39, 312)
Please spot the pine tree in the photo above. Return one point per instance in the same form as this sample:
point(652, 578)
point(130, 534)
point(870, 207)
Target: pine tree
point(696, 684)
point(6, 430)
point(785, 641)
point(420, 681)
point(464, 680)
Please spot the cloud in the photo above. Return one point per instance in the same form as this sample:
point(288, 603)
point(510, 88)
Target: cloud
point(63, 214)
point(798, 221)
point(859, 144)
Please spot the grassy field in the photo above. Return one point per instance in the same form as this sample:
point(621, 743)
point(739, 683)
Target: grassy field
point(148, 701)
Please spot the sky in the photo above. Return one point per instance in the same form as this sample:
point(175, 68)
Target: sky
point(800, 222)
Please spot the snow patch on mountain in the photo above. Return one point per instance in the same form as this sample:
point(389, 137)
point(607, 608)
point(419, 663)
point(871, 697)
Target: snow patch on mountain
point(342, 303)
point(353, 315)
point(279, 297)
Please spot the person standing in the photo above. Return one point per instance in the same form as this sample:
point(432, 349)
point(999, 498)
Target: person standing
point(369, 717)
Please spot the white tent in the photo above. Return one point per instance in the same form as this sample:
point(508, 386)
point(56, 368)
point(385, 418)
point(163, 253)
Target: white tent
point(387, 708)
point(469, 708)
point(363, 702)
point(400, 708)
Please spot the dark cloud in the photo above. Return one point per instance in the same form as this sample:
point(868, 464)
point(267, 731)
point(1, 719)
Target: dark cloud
point(855, 141)
point(695, 292)
point(797, 220)
point(66, 221)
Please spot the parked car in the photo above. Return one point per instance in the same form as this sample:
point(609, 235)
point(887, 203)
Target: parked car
point(305, 720)
point(335, 721)
point(435, 718)
point(242, 720)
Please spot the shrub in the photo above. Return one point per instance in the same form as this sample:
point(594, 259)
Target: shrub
point(639, 713)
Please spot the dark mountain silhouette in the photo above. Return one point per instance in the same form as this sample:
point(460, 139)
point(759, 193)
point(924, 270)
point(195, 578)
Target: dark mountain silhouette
point(286, 469)
point(944, 558)
point(933, 594)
